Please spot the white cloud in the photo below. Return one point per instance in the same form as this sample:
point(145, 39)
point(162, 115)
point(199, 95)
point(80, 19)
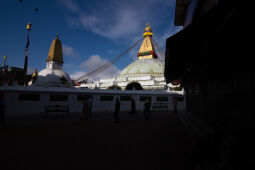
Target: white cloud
point(110, 72)
point(118, 19)
point(73, 22)
point(110, 52)
point(92, 63)
point(88, 21)
point(69, 4)
point(68, 67)
point(69, 51)
point(126, 19)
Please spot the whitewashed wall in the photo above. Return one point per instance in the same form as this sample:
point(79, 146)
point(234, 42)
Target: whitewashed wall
point(16, 107)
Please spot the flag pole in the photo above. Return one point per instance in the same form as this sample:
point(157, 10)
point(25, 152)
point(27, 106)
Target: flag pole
point(26, 54)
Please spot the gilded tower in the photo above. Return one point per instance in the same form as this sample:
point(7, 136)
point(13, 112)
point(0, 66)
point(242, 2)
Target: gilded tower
point(55, 55)
point(147, 49)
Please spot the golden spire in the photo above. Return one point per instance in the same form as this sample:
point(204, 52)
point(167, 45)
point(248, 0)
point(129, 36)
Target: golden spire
point(55, 52)
point(147, 49)
point(29, 26)
point(35, 73)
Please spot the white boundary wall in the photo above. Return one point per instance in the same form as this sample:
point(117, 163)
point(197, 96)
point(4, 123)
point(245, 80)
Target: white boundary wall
point(15, 106)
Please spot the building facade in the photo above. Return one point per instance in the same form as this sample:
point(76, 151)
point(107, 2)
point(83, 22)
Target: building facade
point(218, 75)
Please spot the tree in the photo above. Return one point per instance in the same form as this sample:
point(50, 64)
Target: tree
point(134, 85)
point(114, 87)
point(177, 88)
point(63, 80)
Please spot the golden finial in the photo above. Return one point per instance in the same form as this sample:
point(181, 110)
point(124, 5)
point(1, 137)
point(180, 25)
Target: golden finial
point(147, 30)
point(5, 57)
point(148, 27)
point(147, 24)
point(29, 26)
point(35, 73)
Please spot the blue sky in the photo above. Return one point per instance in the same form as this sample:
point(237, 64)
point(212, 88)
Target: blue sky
point(92, 32)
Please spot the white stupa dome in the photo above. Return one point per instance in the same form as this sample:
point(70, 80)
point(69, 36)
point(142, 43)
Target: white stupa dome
point(144, 67)
point(53, 77)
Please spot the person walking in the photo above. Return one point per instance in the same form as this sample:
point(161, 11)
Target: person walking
point(90, 107)
point(147, 106)
point(175, 105)
point(2, 112)
point(117, 110)
point(85, 110)
point(133, 107)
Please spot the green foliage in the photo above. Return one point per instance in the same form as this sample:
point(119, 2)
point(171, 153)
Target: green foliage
point(177, 88)
point(114, 87)
point(135, 85)
point(63, 80)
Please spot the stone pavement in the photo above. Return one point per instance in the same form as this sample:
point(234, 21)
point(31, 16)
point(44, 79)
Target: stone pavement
point(58, 142)
point(195, 128)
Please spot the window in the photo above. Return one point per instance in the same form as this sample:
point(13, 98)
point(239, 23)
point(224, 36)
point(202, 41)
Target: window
point(106, 98)
point(29, 97)
point(125, 98)
point(86, 96)
point(162, 98)
point(143, 98)
point(59, 97)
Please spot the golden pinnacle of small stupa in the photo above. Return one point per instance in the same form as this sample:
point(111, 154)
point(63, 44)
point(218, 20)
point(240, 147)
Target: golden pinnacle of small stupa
point(55, 52)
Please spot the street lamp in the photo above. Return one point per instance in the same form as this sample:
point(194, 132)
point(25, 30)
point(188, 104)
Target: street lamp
point(5, 57)
point(26, 53)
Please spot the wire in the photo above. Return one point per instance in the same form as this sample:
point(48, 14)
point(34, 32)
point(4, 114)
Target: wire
point(158, 48)
point(104, 66)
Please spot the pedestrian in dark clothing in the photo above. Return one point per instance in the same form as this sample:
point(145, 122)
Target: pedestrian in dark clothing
point(147, 106)
point(90, 107)
point(2, 112)
point(85, 110)
point(117, 110)
point(133, 108)
point(175, 105)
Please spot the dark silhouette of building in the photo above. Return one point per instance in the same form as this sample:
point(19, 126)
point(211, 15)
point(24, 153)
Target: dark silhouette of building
point(10, 75)
point(211, 56)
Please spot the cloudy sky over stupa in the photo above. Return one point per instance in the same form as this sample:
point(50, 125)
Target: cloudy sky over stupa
point(92, 32)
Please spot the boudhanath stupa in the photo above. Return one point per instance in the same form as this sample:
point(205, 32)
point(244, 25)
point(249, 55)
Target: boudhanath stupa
point(147, 70)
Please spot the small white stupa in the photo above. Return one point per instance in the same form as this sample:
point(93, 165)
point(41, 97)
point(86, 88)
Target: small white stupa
point(54, 75)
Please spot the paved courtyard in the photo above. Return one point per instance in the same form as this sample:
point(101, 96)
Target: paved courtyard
point(59, 142)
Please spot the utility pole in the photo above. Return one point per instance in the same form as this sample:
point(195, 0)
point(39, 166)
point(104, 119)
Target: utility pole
point(5, 57)
point(26, 54)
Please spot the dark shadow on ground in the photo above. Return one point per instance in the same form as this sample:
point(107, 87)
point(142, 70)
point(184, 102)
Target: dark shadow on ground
point(99, 143)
